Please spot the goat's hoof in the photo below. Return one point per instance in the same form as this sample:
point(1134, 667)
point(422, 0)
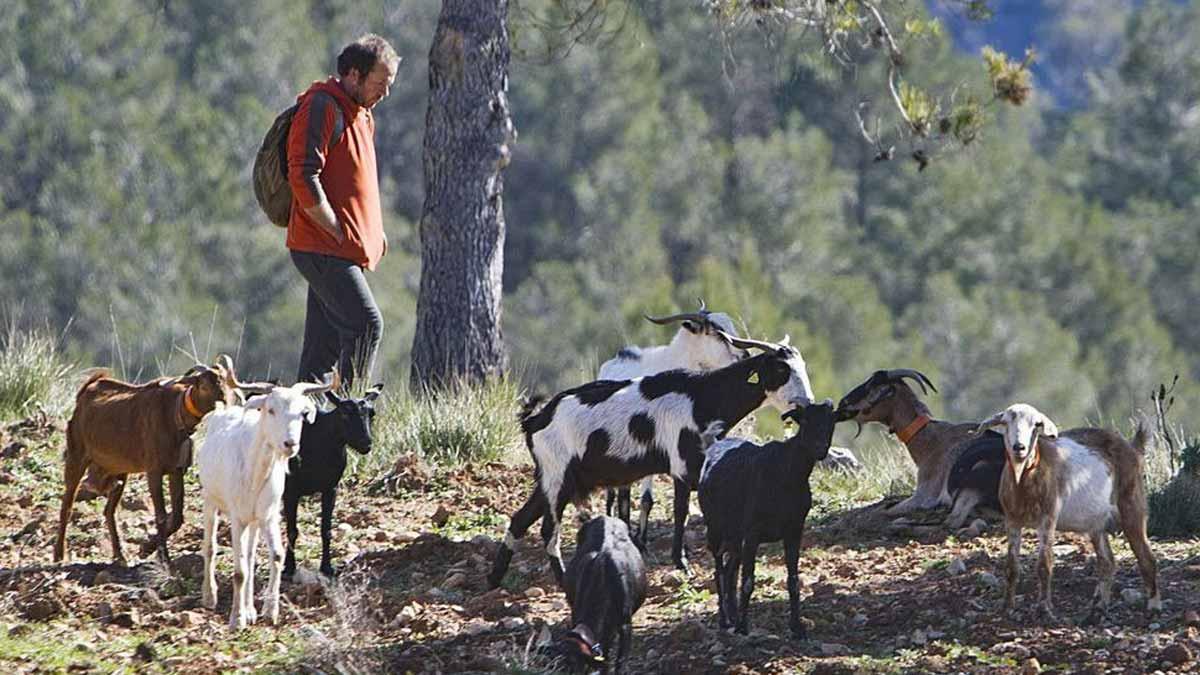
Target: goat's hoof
point(272, 613)
point(1154, 605)
point(742, 629)
point(209, 601)
point(681, 563)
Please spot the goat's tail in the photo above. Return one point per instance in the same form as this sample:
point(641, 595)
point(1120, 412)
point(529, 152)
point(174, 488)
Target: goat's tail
point(1140, 437)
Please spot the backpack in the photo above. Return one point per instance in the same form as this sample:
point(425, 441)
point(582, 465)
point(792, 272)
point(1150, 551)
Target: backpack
point(271, 187)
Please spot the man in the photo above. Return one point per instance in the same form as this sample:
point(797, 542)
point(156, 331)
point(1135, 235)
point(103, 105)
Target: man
point(336, 225)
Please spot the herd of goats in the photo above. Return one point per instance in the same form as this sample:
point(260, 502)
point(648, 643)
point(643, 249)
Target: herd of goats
point(654, 410)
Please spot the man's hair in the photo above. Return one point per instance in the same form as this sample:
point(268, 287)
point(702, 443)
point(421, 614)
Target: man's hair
point(364, 53)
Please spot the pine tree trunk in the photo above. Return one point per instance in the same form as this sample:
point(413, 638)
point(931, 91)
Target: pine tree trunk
point(467, 131)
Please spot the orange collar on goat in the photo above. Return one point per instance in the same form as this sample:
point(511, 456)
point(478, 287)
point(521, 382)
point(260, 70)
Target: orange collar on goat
point(186, 403)
point(906, 434)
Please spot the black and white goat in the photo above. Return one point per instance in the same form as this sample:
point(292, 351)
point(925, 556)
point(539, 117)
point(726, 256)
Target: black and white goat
point(611, 433)
point(699, 344)
point(319, 466)
point(755, 494)
point(605, 586)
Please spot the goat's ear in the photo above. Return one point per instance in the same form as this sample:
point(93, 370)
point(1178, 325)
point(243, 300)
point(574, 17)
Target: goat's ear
point(373, 392)
point(310, 412)
point(255, 402)
point(1049, 428)
point(992, 421)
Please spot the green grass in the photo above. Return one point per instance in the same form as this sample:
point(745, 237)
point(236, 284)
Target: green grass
point(464, 424)
point(33, 374)
point(887, 471)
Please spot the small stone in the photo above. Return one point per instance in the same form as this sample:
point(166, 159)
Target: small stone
point(834, 649)
point(42, 609)
point(441, 517)
point(988, 580)
point(534, 592)
point(859, 619)
point(103, 577)
point(979, 525)
point(189, 619)
point(512, 623)
point(651, 655)
point(405, 537)
point(454, 581)
point(476, 627)
point(482, 541)
point(1177, 654)
point(956, 567)
point(1031, 666)
point(1154, 626)
point(380, 536)
point(918, 637)
point(1192, 618)
point(128, 619)
point(1132, 596)
point(686, 632)
point(344, 529)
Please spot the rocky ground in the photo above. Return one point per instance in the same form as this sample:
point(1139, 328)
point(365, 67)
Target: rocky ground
point(413, 551)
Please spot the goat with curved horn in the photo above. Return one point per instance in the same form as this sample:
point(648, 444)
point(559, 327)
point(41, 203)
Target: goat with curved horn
point(329, 384)
point(748, 343)
point(914, 375)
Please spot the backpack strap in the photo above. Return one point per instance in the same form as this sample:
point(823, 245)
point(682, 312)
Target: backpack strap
point(339, 118)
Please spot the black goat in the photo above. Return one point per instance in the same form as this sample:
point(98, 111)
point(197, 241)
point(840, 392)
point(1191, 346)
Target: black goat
point(605, 586)
point(320, 463)
point(612, 433)
point(755, 494)
point(975, 477)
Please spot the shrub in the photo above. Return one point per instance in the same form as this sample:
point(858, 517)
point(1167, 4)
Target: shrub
point(33, 375)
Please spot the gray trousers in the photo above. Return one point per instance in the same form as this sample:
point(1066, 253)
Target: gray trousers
point(342, 325)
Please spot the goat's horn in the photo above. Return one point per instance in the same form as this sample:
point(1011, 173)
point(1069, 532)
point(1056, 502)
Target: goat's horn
point(747, 343)
point(329, 385)
point(914, 375)
point(226, 362)
point(686, 316)
point(703, 309)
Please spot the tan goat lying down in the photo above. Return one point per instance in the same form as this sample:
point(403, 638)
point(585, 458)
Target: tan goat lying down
point(1075, 481)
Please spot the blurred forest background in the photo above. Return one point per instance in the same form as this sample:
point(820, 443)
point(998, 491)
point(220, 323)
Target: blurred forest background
point(1051, 261)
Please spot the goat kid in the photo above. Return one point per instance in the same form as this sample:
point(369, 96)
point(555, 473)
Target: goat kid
point(119, 428)
point(610, 433)
point(319, 466)
point(605, 586)
point(241, 465)
point(755, 494)
point(1076, 481)
point(697, 345)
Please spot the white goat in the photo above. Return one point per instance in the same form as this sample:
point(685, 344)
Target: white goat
point(241, 466)
point(699, 344)
point(1076, 481)
point(614, 432)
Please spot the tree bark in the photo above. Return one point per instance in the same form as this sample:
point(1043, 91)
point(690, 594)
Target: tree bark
point(467, 131)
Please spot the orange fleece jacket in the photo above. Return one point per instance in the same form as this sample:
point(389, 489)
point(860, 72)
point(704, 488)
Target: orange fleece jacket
point(345, 173)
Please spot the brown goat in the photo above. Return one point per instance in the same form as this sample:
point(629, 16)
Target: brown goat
point(933, 444)
point(119, 429)
point(1076, 481)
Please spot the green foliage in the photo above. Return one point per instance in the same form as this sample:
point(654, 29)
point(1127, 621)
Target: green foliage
point(464, 424)
point(33, 374)
point(1052, 260)
point(1175, 508)
point(1010, 79)
point(919, 107)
